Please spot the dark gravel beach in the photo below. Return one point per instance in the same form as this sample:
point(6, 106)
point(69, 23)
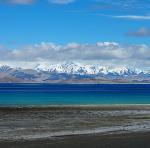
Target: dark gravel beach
point(75, 127)
point(136, 140)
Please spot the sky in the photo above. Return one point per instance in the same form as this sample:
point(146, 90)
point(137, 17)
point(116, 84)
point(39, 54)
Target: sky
point(104, 32)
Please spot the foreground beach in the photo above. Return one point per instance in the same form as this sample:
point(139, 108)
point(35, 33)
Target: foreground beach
point(130, 140)
point(75, 126)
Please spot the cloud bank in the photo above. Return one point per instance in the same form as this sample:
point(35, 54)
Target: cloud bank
point(102, 53)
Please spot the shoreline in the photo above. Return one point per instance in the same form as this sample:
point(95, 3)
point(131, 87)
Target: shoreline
point(77, 106)
point(59, 83)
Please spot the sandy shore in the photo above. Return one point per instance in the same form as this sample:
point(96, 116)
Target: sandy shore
point(132, 140)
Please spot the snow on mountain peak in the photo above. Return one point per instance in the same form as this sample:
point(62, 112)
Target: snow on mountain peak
point(83, 69)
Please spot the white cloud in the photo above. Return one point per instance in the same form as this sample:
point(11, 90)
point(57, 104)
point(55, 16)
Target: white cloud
point(134, 17)
point(102, 53)
point(61, 1)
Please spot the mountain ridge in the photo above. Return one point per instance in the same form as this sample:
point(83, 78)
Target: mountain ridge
point(69, 72)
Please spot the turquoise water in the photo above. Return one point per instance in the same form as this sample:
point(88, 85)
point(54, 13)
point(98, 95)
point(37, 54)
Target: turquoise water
point(45, 94)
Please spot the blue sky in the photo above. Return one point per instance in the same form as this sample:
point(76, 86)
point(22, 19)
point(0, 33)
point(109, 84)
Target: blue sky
point(25, 23)
point(79, 21)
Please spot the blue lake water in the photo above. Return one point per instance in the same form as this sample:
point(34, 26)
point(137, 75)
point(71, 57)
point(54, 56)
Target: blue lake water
point(73, 94)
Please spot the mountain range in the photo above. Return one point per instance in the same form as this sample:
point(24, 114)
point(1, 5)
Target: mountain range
point(70, 72)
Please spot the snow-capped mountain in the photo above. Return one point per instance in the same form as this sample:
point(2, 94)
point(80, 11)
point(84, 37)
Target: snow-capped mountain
point(70, 72)
point(77, 68)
